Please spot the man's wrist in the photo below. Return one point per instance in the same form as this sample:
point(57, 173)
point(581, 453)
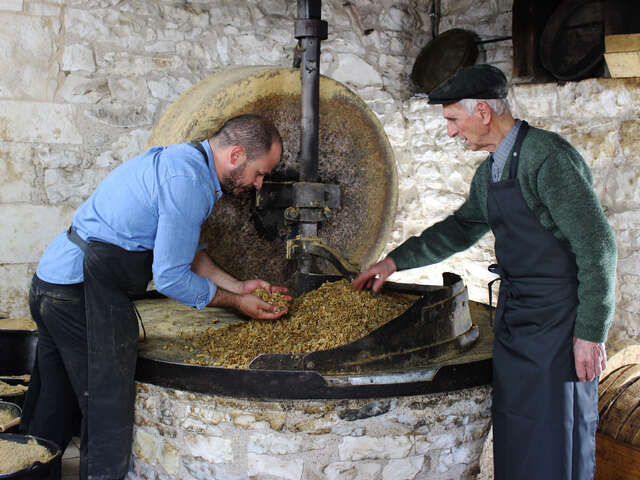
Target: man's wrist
point(225, 298)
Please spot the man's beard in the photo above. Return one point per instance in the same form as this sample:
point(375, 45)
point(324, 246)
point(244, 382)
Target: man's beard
point(232, 182)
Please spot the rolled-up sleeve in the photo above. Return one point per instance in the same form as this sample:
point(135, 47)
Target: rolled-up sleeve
point(183, 205)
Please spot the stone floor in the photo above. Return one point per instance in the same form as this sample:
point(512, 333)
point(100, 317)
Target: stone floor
point(71, 460)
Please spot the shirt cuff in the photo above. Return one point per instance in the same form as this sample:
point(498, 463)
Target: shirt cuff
point(204, 300)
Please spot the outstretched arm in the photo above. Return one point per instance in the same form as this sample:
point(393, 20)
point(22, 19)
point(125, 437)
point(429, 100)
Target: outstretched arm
point(203, 266)
point(236, 294)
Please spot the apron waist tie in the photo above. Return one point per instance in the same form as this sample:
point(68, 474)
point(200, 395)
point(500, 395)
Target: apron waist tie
point(73, 237)
point(509, 288)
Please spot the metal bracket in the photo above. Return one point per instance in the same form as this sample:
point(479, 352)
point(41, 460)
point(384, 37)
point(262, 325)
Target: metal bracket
point(311, 27)
point(305, 202)
point(298, 247)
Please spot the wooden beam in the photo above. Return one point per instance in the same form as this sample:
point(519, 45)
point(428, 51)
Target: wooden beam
point(622, 43)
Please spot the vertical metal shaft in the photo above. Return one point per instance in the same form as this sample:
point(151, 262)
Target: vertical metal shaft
point(310, 77)
point(310, 31)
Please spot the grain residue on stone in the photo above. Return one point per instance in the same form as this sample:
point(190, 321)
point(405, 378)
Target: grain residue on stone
point(6, 389)
point(332, 315)
point(16, 456)
point(17, 323)
point(5, 417)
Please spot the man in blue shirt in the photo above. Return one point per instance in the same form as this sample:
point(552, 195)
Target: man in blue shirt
point(142, 222)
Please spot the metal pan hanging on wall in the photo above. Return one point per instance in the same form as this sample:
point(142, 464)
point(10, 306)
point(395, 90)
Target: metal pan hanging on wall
point(442, 57)
point(572, 42)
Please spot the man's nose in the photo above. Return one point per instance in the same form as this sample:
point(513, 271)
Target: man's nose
point(452, 131)
point(258, 183)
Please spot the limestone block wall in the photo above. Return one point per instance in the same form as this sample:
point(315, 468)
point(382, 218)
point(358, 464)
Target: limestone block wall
point(84, 81)
point(180, 435)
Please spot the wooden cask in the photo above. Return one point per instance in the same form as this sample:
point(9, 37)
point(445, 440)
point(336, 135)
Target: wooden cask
point(618, 437)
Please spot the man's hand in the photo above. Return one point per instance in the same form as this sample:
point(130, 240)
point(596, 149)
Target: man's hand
point(590, 359)
point(250, 304)
point(375, 276)
point(254, 307)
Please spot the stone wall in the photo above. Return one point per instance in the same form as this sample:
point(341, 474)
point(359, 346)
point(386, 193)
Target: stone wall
point(181, 435)
point(84, 81)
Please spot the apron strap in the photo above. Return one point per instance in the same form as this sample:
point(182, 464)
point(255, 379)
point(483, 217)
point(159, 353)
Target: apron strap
point(73, 236)
point(522, 132)
point(201, 149)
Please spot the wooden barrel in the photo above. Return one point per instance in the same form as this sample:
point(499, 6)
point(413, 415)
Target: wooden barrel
point(618, 437)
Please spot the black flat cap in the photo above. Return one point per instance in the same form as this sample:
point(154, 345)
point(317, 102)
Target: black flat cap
point(476, 81)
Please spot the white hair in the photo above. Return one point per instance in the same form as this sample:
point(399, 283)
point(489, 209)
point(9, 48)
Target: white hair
point(498, 105)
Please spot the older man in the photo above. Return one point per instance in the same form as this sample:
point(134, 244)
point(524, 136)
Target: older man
point(556, 261)
point(143, 219)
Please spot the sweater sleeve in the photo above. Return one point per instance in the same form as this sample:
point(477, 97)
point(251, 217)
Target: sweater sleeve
point(455, 233)
point(576, 211)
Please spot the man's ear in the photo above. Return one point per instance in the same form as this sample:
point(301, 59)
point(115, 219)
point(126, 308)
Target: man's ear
point(237, 155)
point(485, 112)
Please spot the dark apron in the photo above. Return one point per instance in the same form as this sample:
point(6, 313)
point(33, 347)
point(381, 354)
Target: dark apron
point(112, 276)
point(544, 419)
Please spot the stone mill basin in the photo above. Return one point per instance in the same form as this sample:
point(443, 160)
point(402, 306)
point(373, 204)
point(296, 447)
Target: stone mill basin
point(428, 419)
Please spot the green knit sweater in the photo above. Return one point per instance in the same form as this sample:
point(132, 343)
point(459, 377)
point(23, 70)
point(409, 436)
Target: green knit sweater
point(556, 184)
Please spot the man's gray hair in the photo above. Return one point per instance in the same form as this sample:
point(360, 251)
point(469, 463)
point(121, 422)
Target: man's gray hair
point(498, 105)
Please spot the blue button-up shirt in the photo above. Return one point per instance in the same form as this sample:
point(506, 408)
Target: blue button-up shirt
point(155, 201)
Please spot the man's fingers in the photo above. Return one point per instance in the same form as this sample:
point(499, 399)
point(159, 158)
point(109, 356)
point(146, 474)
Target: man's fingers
point(590, 359)
point(581, 371)
point(590, 371)
point(362, 280)
point(379, 282)
point(271, 314)
point(358, 282)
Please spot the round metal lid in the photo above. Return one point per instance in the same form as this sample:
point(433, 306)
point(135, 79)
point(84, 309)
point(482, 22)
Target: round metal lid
point(572, 42)
point(354, 153)
point(442, 57)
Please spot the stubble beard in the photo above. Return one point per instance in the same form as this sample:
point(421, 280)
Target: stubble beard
point(231, 185)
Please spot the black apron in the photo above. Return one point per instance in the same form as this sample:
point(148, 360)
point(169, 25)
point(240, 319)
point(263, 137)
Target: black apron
point(544, 419)
point(112, 277)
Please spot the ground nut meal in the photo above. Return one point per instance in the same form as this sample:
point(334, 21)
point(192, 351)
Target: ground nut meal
point(332, 315)
point(17, 323)
point(5, 417)
point(15, 456)
point(6, 389)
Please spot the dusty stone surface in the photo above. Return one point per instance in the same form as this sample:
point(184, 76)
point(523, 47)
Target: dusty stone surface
point(196, 436)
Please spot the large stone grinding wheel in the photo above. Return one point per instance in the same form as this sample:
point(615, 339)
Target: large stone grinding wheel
point(354, 153)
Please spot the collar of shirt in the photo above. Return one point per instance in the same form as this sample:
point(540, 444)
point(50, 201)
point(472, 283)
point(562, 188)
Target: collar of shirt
point(501, 154)
point(212, 168)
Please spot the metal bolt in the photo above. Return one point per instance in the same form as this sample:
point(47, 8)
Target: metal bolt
point(291, 212)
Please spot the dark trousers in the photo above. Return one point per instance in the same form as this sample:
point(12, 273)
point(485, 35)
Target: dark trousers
point(58, 394)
